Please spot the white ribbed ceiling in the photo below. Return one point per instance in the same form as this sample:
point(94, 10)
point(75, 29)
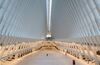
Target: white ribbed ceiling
point(23, 18)
point(70, 19)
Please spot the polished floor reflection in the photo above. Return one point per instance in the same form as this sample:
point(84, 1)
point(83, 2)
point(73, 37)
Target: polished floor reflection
point(47, 58)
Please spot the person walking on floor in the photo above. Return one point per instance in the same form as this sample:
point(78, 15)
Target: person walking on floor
point(73, 62)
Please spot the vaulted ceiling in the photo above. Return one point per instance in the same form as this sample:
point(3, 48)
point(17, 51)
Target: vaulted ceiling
point(69, 19)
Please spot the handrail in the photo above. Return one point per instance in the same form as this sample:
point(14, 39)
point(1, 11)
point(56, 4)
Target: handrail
point(16, 52)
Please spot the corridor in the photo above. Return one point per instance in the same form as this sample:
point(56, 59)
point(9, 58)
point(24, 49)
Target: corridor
point(41, 58)
point(49, 32)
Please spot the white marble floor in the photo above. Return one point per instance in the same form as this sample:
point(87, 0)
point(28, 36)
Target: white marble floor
point(53, 58)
